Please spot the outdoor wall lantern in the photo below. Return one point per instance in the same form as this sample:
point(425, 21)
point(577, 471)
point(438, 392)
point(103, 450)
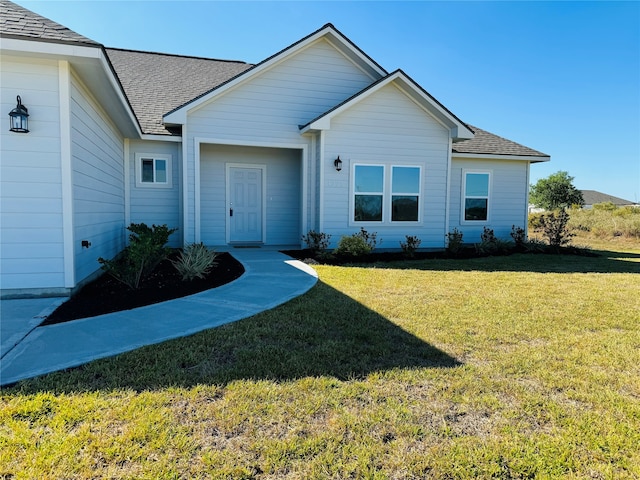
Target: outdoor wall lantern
point(338, 164)
point(19, 118)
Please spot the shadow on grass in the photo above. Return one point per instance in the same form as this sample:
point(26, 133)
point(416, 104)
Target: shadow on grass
point(599, 261)
point(322, 333)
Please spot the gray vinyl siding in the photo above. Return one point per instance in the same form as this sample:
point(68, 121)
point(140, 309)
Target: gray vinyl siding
point(31, 243)
point(153, 205)
point(283, 191)
point(507, 199)
point(268, 108)
point(387, 128)
point(98, 182)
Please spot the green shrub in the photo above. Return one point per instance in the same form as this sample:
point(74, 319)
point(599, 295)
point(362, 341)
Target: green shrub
point(554, 228)
point(145, 251)
point(454, 242)
point(316, 241)
point(195, 261)
point(371, 239)
point(519, 236)
point(352, 246)
point(490, 244)
point(410, 246)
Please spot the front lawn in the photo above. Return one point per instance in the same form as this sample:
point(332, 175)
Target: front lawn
point(508, 367)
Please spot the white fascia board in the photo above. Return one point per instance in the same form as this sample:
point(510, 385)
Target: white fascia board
point(486, 156)
point(34, 47)
point(179, 117)
point(161, 138)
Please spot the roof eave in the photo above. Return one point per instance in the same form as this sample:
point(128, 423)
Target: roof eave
point(499, 156)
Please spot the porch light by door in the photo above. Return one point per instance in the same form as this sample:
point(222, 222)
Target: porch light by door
point(338, 164)
point(19, 118)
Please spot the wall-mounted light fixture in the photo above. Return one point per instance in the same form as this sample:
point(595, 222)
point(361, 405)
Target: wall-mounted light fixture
point(19, 118)
point(337, 163)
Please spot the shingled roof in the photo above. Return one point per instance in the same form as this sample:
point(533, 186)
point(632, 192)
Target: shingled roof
point(592, 197)
point(18, 22)
point(156, 83)
point(489, 144)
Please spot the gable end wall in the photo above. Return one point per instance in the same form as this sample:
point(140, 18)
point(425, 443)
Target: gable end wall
point(268, 109)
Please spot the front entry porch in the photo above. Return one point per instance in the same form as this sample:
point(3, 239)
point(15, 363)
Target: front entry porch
point(250, 195)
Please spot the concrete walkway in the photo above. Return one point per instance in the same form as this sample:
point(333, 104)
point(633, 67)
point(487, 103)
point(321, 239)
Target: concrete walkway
point(270, 279)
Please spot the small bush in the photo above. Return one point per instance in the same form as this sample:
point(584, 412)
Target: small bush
point(487, 235)
point(519, 236)
point(454, 242)
point(490, 244)
point(353, 246)
point(195, 261)
point(145, 251)
point(316, 241)
point(369, 238)
point(554, 228)
point(410, 246)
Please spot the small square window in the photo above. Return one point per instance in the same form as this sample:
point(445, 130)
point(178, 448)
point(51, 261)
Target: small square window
point(153, 171)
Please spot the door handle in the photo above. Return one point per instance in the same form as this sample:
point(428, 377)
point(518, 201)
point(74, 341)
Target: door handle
point(231, 212)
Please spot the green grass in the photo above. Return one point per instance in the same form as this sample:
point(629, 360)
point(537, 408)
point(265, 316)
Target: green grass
point(525, 366)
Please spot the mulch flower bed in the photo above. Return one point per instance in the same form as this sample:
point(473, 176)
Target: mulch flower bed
point(107, 295)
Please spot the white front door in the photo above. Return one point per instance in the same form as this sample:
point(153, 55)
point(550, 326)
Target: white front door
point(245, 204)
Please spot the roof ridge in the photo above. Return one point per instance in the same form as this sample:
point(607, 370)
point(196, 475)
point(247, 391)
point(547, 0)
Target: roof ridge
point(177, 55)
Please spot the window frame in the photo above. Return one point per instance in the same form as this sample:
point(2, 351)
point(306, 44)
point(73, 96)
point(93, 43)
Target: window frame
point(141, 157)
point(464, 196)
point(387, 195)
point(355, 193)
point(405, 194)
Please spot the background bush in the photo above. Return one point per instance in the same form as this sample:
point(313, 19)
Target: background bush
point(605, 220)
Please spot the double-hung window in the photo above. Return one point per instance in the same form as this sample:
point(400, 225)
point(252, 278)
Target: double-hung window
point(476, 187)
point(386, 194)
point(153, 170)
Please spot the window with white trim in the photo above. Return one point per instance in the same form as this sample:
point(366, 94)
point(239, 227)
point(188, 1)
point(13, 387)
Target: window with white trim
point(475, 202)
point(153, 170)
point(368, 193)
point(386, 194)
point(405, 194)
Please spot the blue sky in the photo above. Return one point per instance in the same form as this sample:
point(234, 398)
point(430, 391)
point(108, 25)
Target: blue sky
point(560, 77)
